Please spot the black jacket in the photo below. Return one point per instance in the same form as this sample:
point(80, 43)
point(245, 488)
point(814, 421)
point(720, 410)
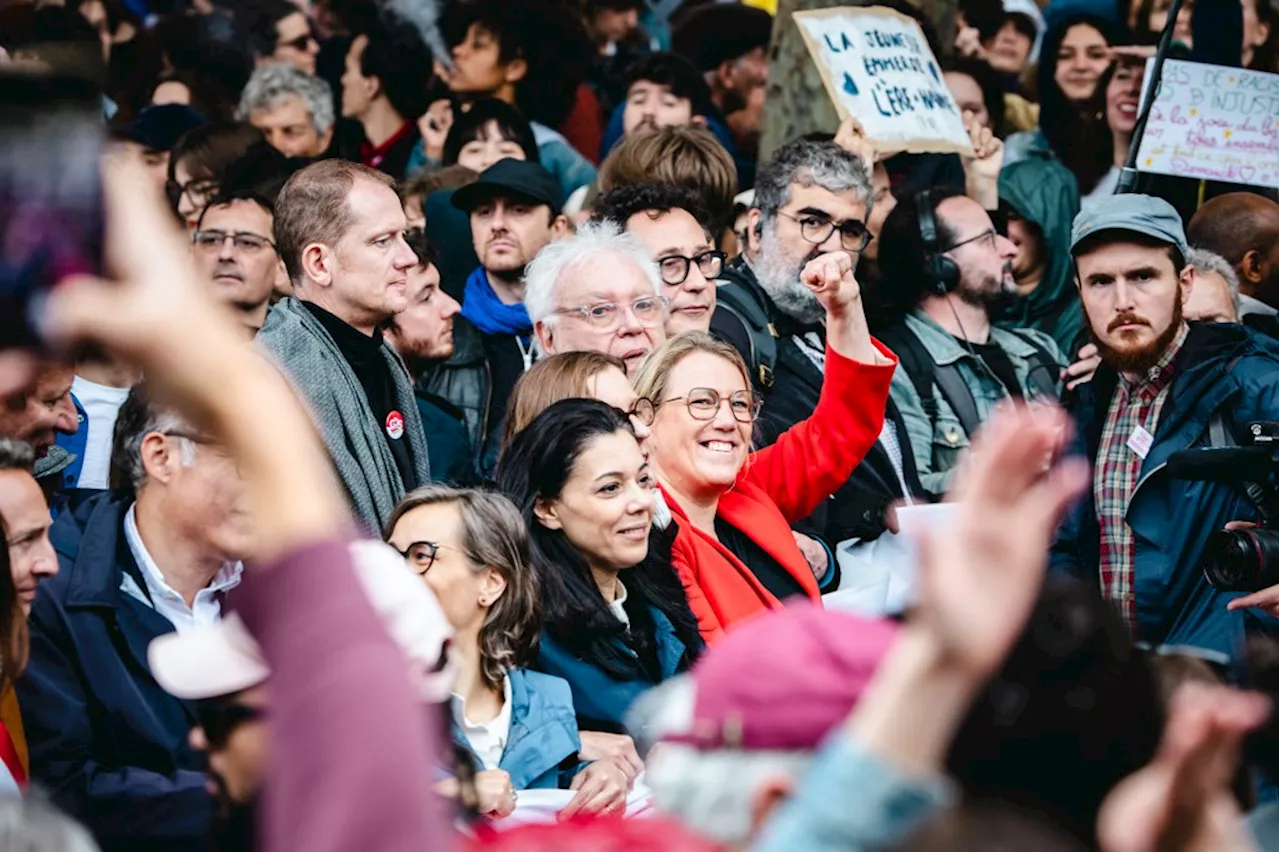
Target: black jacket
point(465, 381)
point(857, 509)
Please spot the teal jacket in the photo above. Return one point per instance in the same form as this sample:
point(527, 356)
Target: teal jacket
point(542, 746)
point(1043, 192)
point(937, 443)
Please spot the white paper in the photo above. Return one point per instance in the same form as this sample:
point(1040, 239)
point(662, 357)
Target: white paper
point(1213, 122)
point(878, 577)
point(877, 68)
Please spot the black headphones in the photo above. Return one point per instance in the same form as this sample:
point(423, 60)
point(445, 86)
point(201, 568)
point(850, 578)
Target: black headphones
point(942, 271)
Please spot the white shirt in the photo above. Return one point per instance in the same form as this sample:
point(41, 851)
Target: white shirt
point(488, 739)
point(207, 608)
point(101, 404)
point(615, 605)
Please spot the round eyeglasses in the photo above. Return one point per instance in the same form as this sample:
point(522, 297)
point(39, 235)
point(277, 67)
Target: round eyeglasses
point(703, 403)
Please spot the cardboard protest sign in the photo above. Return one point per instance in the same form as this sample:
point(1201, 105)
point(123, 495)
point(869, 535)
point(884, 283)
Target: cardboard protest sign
point(1212, 122)
point(878, 68)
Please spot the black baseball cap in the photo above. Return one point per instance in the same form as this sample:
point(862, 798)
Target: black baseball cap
point(158, 128)
point(509, 177)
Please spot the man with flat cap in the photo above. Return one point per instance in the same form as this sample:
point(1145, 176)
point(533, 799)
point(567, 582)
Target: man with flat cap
point(1164, 385)
point(514, 208)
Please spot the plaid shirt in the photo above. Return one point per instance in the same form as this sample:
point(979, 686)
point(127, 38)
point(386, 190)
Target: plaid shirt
point(1115, 477)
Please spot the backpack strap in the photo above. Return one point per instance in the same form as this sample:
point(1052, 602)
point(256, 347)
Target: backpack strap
point(1044, 369)
point(957, 394)
point(926, 374)
point(741, 303)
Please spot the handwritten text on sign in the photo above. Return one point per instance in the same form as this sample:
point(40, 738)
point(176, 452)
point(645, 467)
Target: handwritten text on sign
point(1211, 122)
point(878, 68)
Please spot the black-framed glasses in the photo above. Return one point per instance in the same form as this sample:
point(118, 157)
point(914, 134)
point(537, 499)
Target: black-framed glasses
point(643, 410)
point(421, 555)
point(854, 235)
point(675, 267)
point(212, 240)
point(220, 717)
point(301, 43)
point(989, 236)
point(703, 403)
point(197, 190)
point(605, 316)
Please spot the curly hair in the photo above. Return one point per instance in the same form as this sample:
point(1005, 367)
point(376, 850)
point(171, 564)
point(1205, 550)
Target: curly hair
point(619, 204)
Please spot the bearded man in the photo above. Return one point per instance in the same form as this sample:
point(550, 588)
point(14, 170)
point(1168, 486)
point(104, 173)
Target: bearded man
point(1164, 386)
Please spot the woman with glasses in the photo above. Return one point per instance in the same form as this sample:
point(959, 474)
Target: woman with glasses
point(576, 375)
point(615, 619)
point(733, 508)
point(516, 725)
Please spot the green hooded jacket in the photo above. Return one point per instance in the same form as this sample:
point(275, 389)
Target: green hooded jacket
point(1043, 191)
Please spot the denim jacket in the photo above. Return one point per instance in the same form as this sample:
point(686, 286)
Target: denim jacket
point(542, 746)
point(938, 444)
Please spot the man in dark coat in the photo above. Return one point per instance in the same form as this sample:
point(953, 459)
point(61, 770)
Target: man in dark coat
point(105, 740)
point(1164, 386)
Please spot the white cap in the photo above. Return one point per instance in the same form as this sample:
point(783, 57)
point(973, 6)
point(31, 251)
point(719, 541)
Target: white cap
point(223, 658)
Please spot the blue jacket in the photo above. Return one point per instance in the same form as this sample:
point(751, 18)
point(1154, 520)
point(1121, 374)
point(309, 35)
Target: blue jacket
point(601, 700)
point(1172, 518)
point(107, 742)
point(542, 747)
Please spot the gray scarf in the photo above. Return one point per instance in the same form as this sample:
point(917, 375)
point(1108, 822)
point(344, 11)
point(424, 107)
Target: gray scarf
point(319, 372)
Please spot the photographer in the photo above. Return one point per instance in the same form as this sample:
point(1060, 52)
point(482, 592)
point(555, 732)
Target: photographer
point(1144, 533)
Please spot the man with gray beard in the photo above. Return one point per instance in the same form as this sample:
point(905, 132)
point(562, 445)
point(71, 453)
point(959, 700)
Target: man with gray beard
point(946, 273)
point(814, 197)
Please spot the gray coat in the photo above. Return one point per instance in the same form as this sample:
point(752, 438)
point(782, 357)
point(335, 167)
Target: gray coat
point(320, 373)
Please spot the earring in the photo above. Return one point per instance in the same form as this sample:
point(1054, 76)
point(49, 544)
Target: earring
point(484, 602)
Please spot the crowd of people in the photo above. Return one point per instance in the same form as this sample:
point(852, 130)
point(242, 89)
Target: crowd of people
point(477, 443)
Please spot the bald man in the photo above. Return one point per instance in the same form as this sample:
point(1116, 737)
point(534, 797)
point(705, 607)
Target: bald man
point(1245, 229)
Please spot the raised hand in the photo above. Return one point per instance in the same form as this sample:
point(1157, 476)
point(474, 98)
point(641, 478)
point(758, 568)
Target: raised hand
point(434, 126)
point(982, 170)
point(1182, 799)
point(830, 277)
point(979, 578)
point(850, 137)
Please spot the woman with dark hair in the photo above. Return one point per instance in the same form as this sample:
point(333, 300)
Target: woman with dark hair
point(615, 618)
point(199, 162)
point(976, 87)
point(490, 130)
point(1073, 56)
point(516, 726)
point(1259, 51)
point(1098, 152)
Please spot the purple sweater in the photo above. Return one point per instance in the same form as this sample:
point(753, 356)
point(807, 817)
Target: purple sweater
point(351, 755)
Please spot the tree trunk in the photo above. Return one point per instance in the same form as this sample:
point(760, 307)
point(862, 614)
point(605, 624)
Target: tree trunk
point(796, 102)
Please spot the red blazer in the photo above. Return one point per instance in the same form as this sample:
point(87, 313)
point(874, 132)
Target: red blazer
point(778, 486)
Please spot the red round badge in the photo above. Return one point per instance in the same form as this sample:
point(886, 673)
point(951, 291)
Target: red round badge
point(395, 425)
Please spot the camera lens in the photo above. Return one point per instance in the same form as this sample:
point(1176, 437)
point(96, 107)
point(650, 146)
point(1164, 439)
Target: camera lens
point(1241, 560)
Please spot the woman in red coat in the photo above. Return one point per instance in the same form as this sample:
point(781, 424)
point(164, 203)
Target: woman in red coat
point(734, 549)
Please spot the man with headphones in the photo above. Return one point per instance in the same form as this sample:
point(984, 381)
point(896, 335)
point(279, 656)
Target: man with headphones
point(946, 272)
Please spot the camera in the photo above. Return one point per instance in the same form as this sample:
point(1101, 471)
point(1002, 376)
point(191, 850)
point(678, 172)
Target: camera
point(1240, 560)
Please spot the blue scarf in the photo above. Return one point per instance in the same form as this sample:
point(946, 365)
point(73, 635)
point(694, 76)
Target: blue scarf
point(490, 314)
